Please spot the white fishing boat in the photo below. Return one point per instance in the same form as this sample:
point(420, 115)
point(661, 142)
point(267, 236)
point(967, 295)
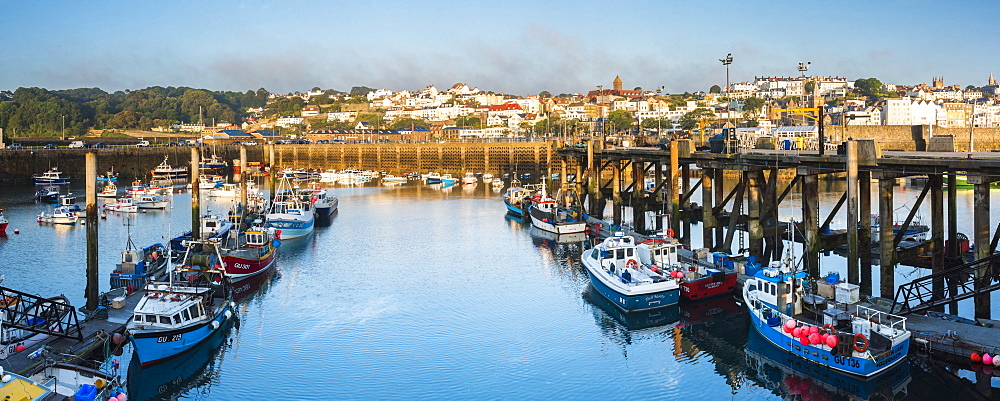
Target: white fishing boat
point(487, 177)
point(497, 183)
point(624, 273)
point(390, 179)
point(124, 205)
point(59, 215)
point(469, 179)
point(137, 189)
point(3, 222)
point(51, 177)
point(431, 178)
point(225, 191)
point(329, 176)
point(560, 214)
point(165, 170)
point(109, 191)
point(151, 202)
point(210, 181)
point(289, 214)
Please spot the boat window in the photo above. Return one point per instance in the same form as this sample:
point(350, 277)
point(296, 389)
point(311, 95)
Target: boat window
point(187, 316)
point(150, 318)
point(619, 254)
point(177, 319)
point(164, 320)
point(137, 318)
point(628, 252)
point(194, 311)
point(774, 289)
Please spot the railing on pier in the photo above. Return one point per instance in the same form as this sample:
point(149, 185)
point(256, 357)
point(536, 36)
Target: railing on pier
point(944, 287)
point(52, 316)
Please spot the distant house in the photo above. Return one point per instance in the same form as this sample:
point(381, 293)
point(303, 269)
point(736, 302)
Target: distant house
point(341, 115)
point(191, 127)
point(310, 111)
point(285, 121)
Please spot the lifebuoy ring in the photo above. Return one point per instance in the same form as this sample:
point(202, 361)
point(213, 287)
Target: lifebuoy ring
point(829, 329)
point(864, 343)
point(670, 232)
point(632, 264)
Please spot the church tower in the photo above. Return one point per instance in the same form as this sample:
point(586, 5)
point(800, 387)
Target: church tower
point(617, 83)
point(937, 82)
point(992, 81)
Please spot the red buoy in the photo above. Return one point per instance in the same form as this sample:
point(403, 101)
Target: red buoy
point(975, 357)
point(831, 341)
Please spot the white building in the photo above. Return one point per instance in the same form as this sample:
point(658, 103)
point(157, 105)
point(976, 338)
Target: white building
point(341, 115)
point(285, 121)
point(907, 111)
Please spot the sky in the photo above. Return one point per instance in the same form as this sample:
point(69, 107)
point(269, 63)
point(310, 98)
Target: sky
point(515, 47)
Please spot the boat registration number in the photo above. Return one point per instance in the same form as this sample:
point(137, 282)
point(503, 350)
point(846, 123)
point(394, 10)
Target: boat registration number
point(167, 339)
point(847, 361)
point(242, 266)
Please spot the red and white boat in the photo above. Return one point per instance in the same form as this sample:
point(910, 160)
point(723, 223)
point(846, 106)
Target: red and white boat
point(3, 222)
point(251, 253)
point(700, 279)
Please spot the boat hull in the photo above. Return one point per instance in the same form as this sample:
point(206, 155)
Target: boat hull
point(290, 228)
point(822, 356)
point(558, 228)
point(239, 267)
point(708, 287)
point(51, 181)
point(156, 346)
point(637, 302)
point(513, 209)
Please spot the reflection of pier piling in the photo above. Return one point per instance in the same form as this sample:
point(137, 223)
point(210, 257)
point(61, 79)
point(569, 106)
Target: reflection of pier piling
point(743, 216)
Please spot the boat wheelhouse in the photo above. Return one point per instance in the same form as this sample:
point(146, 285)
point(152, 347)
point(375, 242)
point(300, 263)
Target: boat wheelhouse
point(622, 271)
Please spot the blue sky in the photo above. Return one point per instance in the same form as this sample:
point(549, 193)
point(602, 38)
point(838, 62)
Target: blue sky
point(519, 47)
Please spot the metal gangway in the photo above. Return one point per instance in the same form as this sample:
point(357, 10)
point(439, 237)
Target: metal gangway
point(947, 286)
point(52, 316)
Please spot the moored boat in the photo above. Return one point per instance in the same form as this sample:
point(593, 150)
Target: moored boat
point(323, 202)
point(48, 194)
point(225, 191)
point(516, 198)
point(124, 204)
point(700, 279)
point(448, 179)
point(214, 163)
point(151, 202)
point(289, 213)
point(59, 215)
point(560, 214)
point(165, 171)
point(109, 191)
point(212, 228)
point(432, 178)
point(138, 267)
point(51, 177)
point(390, 179)
point(850, 338)
point(3, 222)
point(470, 179)
point(621, 270)
point(210, 181)
point(137, 189)
point(249, 253)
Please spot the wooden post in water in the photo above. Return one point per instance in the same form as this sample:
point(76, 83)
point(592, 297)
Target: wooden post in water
point(707, 217)
point(810, 220)
point(865, 230)
point(674, 200)
point(616, 192)
point(853, 268)
point(244, 182)
point(195, 193)
point(639, 195)
point(754, 226)
point(887, 248)
point(937, 233)
point(952, 232)
point(981, 236)
point(719, 176)
point(92, 290)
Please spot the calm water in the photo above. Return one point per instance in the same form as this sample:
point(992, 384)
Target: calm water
point(418, 292)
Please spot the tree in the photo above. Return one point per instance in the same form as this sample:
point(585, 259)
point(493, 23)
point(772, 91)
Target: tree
point(544, 94)
point(691, 119)
point(468, 121)
point(870, 87)
point(715, 89)
point(361, 90)
point(810, 87)
point(637, 88)
point(657, 124)
point(620, 120)
point(407, 123)
point(752, 107)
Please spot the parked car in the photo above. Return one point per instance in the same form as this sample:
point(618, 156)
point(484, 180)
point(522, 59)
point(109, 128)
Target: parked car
point(77, 144)
point(15, 146)
point(322, 141)
point(50, 146)
point(99, 145)
point(171, 144)
point(142, 144)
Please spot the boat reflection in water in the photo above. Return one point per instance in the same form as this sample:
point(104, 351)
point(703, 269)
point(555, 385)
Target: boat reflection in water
point(784, 373)
point(247, 288)
point(194, 369)
point(549, 239)
point(636, 322)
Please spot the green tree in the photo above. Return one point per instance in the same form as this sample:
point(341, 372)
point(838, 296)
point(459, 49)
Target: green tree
point(715, 89)
point(620, 120)
point(690, 120)
point(544, 94)
point(870, 87)
point(752, 107)
point(657, 124)
point(361, 90)
point(810, 87)
point(407, 122)
point(468, 121)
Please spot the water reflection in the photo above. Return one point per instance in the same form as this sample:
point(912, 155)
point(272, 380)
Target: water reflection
point(786, 374)
point(632, 322)
point(194, 370)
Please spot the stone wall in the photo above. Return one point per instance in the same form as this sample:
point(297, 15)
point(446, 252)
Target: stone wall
point(917, 137)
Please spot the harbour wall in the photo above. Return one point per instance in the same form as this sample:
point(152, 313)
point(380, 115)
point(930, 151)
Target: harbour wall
point(919, 137)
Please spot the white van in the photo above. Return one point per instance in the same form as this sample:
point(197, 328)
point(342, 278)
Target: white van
point(143, 144)
point(76, 144)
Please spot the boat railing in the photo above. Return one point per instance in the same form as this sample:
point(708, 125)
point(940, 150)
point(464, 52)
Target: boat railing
point(886, 319)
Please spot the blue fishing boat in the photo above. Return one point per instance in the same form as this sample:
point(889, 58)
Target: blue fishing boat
point(48, 194)
point(515, 198)
point(851, 338)
point(138, 266)
point(622, 271)
point(212, 164)
point(212, 227)
point(289, 214)
point(175, 316)
point(51, 177)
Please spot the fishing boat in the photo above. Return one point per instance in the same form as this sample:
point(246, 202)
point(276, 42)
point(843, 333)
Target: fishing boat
point(915, 231)
point(330, 175)
point(289, 213)
point(69, 202)
point(470, 179)
point(151, 202)
point(836, 334)
point(3, 222)
point(213, 163)
point(59, 215)
point(48, 194)
point(176, 315)
point(212, 228)
point(138, 266)
point(124, 205)
point(109, 191)
point(166, 171)
point(225, 191)
point(448, 179)
point(210, 181)
point(249, 253)
point(487, 177)
point(51, 177)
point(560, 214)
point(622, 271)
point(137, 189)
point(68, 381)
point(497, 183)
point(700, 279)
point(432, 178)
point(323, 202)
point(390, 179)
point(109, 176)
point(517, 199)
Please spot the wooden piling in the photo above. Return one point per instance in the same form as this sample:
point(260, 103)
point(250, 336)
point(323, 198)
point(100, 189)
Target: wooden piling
point(616, 192)
point(707, 204)
point(195, 193)
point(952, 250)
point(937, 232)
point(639, 195)
point(865, 231)
point(244, 181)
point(756, 230)
point(887, 247)
point(674, 199)
point(853, 248)
point(93, 265)
point(810, 220)
point(981, 236)
point(720, 195)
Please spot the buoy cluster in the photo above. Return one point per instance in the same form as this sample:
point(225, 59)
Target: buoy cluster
point(810, 335)
point(989, 364)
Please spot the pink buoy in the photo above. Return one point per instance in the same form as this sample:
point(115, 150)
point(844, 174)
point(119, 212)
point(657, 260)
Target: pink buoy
point(787, 329)
point(813, 330)
point(831, 341)
point(790, 323)
point(797, 332)
point(118, 338)
point(996, 362)
point(987, 359)
point(804, 340)
point(19, 348)
point(121, 397)
point(822, 338)
point(113, 399)
point(814, 339)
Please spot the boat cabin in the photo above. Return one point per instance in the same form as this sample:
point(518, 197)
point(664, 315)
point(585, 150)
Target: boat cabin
point(170, 309)
point(663, 253)
point(778, 289)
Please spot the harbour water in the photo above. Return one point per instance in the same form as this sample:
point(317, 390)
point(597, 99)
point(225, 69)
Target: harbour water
point(417, 292)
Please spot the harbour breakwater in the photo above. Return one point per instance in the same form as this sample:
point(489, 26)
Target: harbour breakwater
point(18, 166)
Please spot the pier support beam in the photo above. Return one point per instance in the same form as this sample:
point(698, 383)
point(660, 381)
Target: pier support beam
point(658, 195)
point(244, 183)
point(887, 254)
point(937, 232)
point(865, 231)
point(981, 235)
point(616, 192)
point(853, 268)
point(707, 204)
point(810, 220)
point(594, 181)
point(674, 199)
point(952, 231)
point(639, 195)
point(196, 193)
point(92, 291)
point(756, 230)
point(719, 175)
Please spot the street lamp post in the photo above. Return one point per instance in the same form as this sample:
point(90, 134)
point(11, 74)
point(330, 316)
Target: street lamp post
point(63, 134)
point(729, 113)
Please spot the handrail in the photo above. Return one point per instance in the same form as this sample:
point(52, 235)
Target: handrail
point(944, 287)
